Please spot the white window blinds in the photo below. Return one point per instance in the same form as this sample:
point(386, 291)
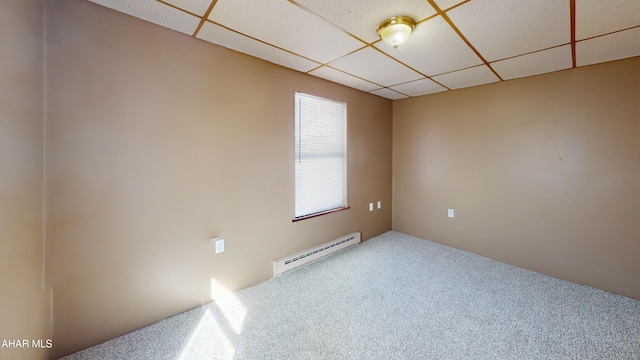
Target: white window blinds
point(320, 155)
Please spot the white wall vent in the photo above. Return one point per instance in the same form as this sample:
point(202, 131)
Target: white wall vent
point(297, 260)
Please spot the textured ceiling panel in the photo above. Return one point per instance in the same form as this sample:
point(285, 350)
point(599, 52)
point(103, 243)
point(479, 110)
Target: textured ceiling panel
point(597, 17)
point(198, 7)
point(419, 87)
point(376, 67)
point(389, 94)
point(434, 48)
point(474, 76)
point(285, 25)
point(361, 17)
point(344, 79)
point(500, 29)
point(533, 64)
point(615, 46)
point(519, 37)
point(155, 12)
point(227, 38)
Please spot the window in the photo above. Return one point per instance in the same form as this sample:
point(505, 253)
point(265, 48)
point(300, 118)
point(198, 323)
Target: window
point(320, 156)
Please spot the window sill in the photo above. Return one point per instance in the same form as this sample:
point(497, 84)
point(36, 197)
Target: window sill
point(304, 217)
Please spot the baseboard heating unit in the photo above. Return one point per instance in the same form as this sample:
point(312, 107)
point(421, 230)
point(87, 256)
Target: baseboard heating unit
point(297, 260)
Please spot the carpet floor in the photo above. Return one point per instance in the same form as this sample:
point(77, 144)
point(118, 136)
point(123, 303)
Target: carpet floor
point(396, 297)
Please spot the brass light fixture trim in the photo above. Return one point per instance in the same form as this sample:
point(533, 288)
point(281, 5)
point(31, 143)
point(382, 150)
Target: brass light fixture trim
point(396, 30)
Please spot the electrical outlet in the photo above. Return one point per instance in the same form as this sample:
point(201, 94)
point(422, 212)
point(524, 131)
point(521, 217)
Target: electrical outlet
point(451, 213)
point(370, 206)
point(219, 246)
point(379, 204)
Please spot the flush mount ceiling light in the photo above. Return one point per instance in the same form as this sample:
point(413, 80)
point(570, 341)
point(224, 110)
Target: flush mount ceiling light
point(396, 30)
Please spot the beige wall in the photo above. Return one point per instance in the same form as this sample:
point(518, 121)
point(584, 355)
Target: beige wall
point(23, 303)
point(157, 142)
point(542, 172)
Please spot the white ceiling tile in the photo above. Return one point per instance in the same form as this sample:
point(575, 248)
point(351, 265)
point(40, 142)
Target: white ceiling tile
point(468, 77)
point(362, 17)
point(155, 12)
point(533, 64)
point(419, 87)
point(499, 29)
point(389, 94)
point(597, 17)
point(376, 67)
point(339, 77)
point(305, 34)
point(285, 25)
point(198, 7)
point(610, 47)
point(447, 4)
point(234, 41)
point(434, 48)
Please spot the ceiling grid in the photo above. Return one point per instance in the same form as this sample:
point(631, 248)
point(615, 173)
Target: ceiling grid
point(456, 43)
point(204, 17)
point(455, 28)
point(572, 10)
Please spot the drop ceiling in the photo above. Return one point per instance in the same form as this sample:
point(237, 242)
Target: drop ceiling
point(456, 44)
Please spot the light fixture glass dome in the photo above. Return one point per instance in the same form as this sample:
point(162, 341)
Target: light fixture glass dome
point(396, 30)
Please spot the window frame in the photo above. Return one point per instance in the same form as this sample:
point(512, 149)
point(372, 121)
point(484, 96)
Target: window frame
point(296, 157)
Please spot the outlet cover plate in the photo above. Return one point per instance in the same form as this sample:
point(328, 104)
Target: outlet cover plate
point(219, 246)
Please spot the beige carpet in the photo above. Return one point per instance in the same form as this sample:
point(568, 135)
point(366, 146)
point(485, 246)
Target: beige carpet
point(397, 297)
